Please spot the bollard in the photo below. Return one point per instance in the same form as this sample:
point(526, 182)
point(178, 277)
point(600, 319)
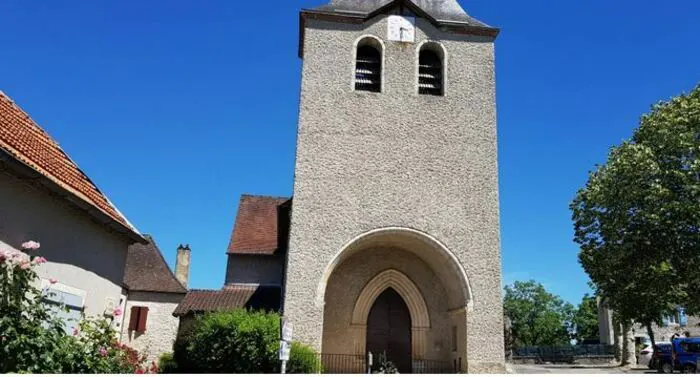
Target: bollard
point(369, 362)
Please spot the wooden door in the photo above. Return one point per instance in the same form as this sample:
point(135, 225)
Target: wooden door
point(389, 330)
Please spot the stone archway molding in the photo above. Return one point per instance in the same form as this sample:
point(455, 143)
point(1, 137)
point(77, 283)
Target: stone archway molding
point(403, 286)
point(458, 271)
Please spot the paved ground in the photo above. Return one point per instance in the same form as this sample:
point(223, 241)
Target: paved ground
point(576, 369)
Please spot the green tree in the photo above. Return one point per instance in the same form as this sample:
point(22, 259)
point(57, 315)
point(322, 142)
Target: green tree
point(538, 318)
point(637, 220)
point(586, 319)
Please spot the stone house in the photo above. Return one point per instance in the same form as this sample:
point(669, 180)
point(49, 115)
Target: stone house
point(45, 197)
point(678, 323)
point(100, 260)
point(256, 255)
point(154, 292)
point(391, 242)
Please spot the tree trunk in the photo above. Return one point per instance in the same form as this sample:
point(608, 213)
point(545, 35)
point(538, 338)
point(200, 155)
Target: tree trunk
point(651, 335)
point(617, 340)
point(629, 356)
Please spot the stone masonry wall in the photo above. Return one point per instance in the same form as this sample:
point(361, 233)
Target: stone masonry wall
point(161, 326)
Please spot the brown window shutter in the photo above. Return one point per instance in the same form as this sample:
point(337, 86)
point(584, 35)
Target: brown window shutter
point(143, 317)
point(134, 318)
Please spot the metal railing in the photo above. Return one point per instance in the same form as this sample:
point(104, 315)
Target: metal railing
point(357, 364)
point(564, 353)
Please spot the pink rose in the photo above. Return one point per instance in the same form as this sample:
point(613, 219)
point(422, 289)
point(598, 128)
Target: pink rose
point(25, 265)
point(117, 312)
point(53, 281)
point(75, 331)
point(40, 260)
point(103, 352)
point(31, 245)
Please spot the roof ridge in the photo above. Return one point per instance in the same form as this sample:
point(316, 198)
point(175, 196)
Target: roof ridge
point(35, 127)
point(162, 258)
point(265, 196)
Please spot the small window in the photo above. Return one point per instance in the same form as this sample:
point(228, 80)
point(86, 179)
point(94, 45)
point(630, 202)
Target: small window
point(64, 302)
point(430, 72)
point(368, 66)
point(138, 318)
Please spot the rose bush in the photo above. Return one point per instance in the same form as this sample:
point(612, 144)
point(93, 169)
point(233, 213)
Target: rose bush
point(33, 340)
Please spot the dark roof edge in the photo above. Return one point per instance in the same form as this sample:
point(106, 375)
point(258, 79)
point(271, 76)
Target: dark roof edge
point(360, 17)
point(25, 171)
point(265, 196)
point(161, 292)
point(257, 253)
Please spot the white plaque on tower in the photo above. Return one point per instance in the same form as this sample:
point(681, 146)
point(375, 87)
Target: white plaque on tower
point(402, 28)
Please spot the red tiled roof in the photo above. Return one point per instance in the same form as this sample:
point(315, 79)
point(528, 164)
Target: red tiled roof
point(259, 227)
point(147, 271)
point(231, 297)
point(23, 139)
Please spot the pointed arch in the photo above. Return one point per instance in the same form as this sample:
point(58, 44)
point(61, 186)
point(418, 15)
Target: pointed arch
point(406, 288)
point(443, 261)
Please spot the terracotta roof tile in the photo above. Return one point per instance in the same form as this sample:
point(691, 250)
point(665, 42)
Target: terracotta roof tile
point(231, 297)
point(261, 226)
point(146, 270)
point(23, 139)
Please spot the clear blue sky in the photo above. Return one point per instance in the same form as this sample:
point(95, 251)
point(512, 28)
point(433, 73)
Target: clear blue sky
point(176, 108)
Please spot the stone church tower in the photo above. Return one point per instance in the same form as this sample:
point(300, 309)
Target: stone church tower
point(394, 244)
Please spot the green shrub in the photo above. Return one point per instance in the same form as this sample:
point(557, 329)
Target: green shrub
point(235, 341)
point(303, 360)
point(166, 363)
point(238, 341)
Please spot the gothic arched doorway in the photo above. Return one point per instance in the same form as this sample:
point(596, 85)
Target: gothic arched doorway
point(389, 330)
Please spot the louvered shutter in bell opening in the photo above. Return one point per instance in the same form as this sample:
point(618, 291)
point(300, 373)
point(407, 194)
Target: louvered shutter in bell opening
point(430, 79)
point(368, 69)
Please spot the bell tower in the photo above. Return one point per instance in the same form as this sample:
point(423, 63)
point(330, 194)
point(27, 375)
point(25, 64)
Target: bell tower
point(396, 170)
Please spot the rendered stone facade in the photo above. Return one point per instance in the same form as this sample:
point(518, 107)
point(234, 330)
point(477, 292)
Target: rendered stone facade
point(161, 326)
point(90, 265)
point(397, 181)
point(255, 269)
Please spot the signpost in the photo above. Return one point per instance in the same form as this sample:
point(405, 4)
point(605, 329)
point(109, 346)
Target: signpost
point(285, 343)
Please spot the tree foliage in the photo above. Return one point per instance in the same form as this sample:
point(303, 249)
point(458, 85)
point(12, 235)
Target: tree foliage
point(637, 220)
point(585, 321)
point(538, 318)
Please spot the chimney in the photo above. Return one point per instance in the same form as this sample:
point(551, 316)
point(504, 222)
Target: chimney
point(182, 264)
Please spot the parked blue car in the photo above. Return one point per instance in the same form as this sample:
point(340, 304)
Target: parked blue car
point(684, 359)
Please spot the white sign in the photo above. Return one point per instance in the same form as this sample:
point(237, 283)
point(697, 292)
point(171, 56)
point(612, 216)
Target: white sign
point(286, 330)
point(402, 28)
point(285, 350)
